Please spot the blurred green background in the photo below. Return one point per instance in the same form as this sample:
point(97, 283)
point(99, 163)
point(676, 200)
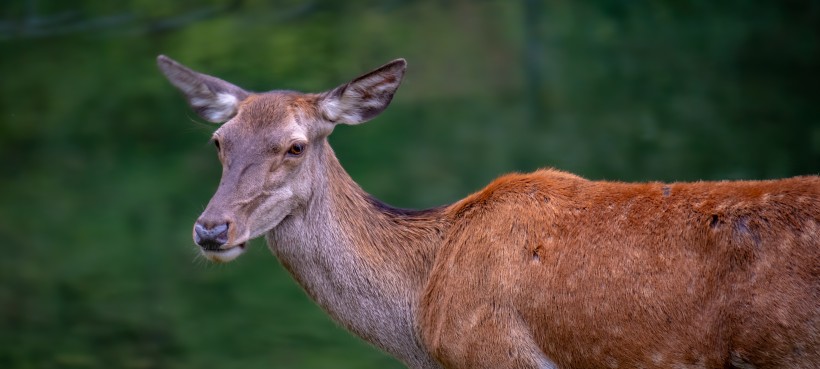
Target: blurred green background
point(104, 168)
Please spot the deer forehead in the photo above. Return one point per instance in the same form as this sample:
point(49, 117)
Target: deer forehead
point(279, 115)
point(275, 109)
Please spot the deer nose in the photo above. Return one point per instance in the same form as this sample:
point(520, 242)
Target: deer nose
point(211, 237)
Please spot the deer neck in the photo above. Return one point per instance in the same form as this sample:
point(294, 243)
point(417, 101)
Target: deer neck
point(363, 262)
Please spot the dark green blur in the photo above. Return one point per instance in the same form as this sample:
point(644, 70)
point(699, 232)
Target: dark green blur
point(104, 168)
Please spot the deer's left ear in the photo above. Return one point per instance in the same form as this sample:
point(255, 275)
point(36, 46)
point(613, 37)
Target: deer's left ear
point(364, 97)
point(212, 98)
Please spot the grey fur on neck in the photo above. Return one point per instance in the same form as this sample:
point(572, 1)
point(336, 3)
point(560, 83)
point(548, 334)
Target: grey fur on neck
point(346, 251)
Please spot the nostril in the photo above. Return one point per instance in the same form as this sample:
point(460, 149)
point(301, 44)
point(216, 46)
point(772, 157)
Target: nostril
point(220, 229)
point(211, 238)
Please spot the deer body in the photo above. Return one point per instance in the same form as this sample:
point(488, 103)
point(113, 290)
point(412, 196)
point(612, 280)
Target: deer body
point(543, 270)
point(598, 274)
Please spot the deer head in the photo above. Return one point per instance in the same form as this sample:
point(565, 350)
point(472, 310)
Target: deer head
point(270, 146)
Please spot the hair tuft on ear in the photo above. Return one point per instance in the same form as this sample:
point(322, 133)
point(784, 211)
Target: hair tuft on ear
point(212, 98)
point(365, 96)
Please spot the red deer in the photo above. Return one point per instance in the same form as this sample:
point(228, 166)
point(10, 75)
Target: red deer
point(539, 270)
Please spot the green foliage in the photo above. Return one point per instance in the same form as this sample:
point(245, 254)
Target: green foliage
point(105, 169)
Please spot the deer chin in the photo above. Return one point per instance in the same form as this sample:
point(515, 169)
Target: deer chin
point(224, 255)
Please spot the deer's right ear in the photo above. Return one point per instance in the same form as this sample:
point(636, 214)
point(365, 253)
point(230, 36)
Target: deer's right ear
point(364, 97)
point(212, 98)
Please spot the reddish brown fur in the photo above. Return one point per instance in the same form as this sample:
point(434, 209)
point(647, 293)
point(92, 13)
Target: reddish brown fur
point(708, 274)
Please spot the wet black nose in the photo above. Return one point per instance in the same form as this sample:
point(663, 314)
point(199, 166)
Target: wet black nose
point(210, 238)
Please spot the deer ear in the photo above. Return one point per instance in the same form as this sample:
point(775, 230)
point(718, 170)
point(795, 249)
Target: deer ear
point(364, 97)
point(212, 98)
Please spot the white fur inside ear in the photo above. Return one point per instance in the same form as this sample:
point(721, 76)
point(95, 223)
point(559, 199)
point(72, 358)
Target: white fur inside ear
point(226, 99)
point(364, 97)
point(338, 111)
point(220, 108)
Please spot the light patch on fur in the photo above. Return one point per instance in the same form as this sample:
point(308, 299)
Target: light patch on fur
point(226, 100)
point(218, 108)
point(225, 255)
point(362, 98)
point(543, 362)
point(213, 99)
point(298, 137)
point(338, 111)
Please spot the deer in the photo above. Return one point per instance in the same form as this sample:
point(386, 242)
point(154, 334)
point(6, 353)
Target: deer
point(538, 270)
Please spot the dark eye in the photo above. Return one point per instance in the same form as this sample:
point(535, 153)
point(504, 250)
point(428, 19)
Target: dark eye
point(216, 143)
point(296, 149)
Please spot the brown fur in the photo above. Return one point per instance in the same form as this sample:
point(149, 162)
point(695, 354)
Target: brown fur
point(613, 274)
point(541, 270)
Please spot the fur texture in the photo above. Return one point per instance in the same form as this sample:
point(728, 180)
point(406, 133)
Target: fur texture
point(598, 274)
point(540, 270)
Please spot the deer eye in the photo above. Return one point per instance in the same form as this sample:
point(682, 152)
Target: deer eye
point(216, 143)
point(296, 149)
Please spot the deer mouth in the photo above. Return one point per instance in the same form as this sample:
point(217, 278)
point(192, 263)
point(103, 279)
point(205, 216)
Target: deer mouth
point(224, 255)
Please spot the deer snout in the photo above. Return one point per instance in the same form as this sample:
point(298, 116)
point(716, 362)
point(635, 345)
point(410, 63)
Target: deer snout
point(211, 235)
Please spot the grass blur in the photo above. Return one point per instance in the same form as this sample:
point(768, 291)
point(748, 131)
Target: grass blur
point(104, 168)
